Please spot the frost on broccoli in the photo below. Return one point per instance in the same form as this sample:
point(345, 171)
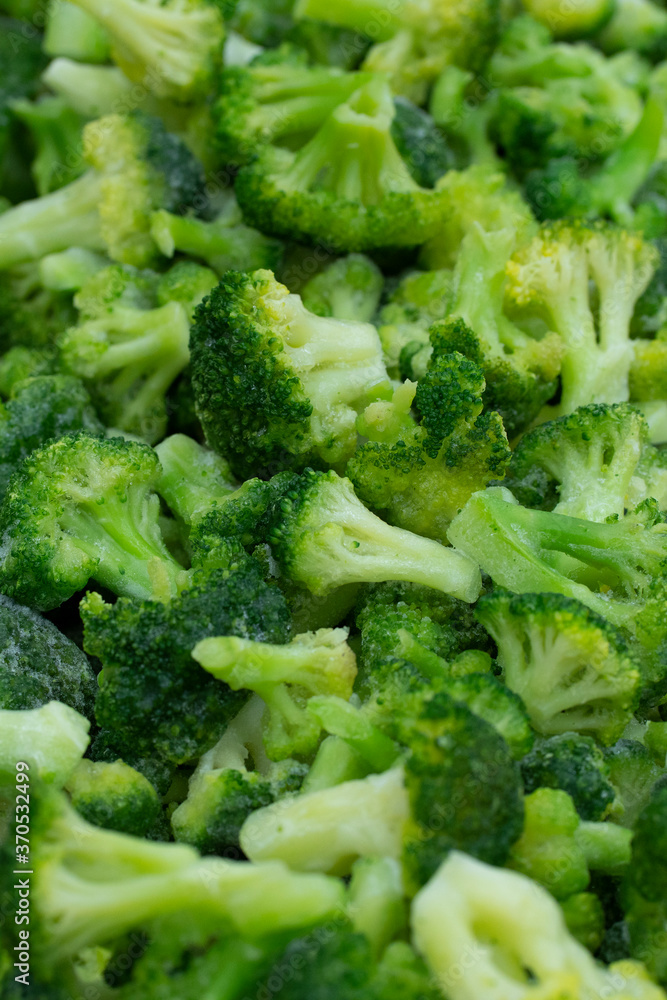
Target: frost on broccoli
point(84, 507)
point(323, 537)
point(419, 476)
point(172, 48)
point(348, 188)
point(277, 386)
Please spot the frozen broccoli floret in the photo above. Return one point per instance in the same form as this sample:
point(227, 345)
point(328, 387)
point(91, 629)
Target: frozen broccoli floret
point(108, 746)
point(285, 677)
point(419, 811)
point(194, 480)
point(84, 507)
point(363, 200)
point(633, 774)
point(348, 289)
point(419, 299)
point(39, 664)
point(323, 537)
point(56, 130)
point(30, 314)
point(135, 168)
point(576, 765)
point(116, 797)
point(50, 739)
point(173, 48)
point(421, 475)
point(421, 143)
point(22, 363)
point(151, 691)
point(277, 386)
point(467, 900)
point(573, 671)
point(647, 868)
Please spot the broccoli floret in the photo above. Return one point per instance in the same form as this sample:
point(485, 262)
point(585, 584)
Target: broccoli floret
point(421, 143)
point(41, 409)
point(194, 480)
point(633, 773)
point(136, 167)
point(419, 811)
point(281, 101)
point(492, 701)
point(462, 108)
point(583, 464)
point(84, 507)
point(173, 49)
point(225, 243)
point(22, 363)
point(364, 200)
point(39, 664)
point(573, 671)
point(576, 765)
point(348, 289)
point(186, 282)
point(129, 357)
point(276, 386)
point(420, 477)
point(151, 691)
point(224, 789)
point(324, 537)
point(468, 902)
point(638, 25)
point(285, 677)
point(108, 746)
point(56, 130)
point(50, 739)
point(31, 315)
point(585, 920)
point(116, 797)
point(419, 299)
point(647, 871)
point(264, 22)
point(91, 886)
point(552, 274)
point(414, 41)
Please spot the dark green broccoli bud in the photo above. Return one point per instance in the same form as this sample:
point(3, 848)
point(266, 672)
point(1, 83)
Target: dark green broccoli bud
point(56, 130)
point(547, 850)
point(583, 464)
point(21, 363)
point(363, 201)
point(457, 770)
point(22, 64)
point(83, 507)
point(264, 22)
point(39, 664)
point(576, 765)
point(42, 409)
point(226, 786)
point(533, 551)
point(276, 386)
point(416, 40)
point(420, 143)
point(573, 671)
point(492, 701)
point(151, 691)
point(136, 167)
point(324, 537)
point(77, 904)
point(647, 871)
point(633, 774)
point(225, 243)
point(419, 299)
point(30, 314)
point(281, 101)
point(173, 49)
point(642, 934)
point(51, 739)
point(348, 289)
point(560, 189)
point(285, 677)
point(466, 897)
point(421, 475)
point(116, 797)
point(638, 25)
point(108, 746)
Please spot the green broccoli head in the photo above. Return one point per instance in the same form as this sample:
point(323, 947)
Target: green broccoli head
point(423, 478)
point(581, 464)
point(347, 289)
point(116, 797)
point(323, 537)
point(173, 49)
point(576, 765)
point(152, 692)
point(39, 664)
point(419, 299)
point(276, 386)
point(42, 409)
point(573, 671)
point(364, 200)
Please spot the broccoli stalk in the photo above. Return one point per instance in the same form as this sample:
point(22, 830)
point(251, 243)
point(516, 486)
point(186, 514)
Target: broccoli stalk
point(225, 244)
point(172, 48)
point(51, 739)
point(324, 537)
point(94, 885)
point(318, 663)
point(79, 507)
point(194, 480)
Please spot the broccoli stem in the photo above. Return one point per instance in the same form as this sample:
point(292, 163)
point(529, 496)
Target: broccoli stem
point(93, 91)
point(378, 19)
point(225, 246)
point(335, 762)
point(606, 846)
point(72, 32)
point(68, 217)
point(342, 719)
